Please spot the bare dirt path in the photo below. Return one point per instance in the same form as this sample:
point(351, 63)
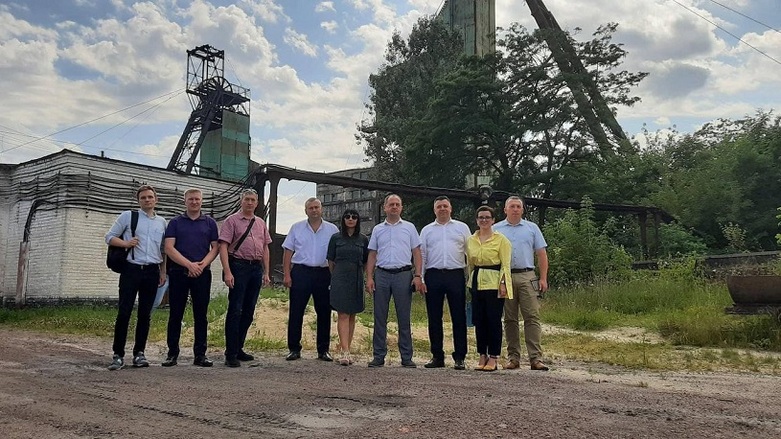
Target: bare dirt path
point(58, 387)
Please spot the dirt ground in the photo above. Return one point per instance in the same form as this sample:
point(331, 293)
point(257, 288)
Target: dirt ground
point(59, 387)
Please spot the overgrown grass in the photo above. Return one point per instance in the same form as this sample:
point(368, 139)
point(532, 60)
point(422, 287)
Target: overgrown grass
point(683, 309)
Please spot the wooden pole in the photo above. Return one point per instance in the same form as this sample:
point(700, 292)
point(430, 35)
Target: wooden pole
point(21, 274)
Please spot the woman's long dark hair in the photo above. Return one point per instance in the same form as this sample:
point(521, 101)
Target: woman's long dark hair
point(343, 226)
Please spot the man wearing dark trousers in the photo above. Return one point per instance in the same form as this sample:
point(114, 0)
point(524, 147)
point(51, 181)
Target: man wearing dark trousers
point(306, 273)
point(191, 246)
point(443, 248)
point(244, 240)
point(143, 273)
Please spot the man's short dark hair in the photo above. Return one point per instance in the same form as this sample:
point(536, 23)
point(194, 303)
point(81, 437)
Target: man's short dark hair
point(145, 187)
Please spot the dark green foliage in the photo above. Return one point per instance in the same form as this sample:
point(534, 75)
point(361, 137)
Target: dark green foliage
point(579, 252)
point(726, 173)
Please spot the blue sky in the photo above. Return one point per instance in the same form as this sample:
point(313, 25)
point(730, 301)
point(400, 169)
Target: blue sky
point(77, 63)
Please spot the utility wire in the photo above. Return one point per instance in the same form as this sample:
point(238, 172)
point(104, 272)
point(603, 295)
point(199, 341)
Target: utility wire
point(93, 120)
point(745, 16)
point(154, 107)
point(67, 143)
point(728, 32)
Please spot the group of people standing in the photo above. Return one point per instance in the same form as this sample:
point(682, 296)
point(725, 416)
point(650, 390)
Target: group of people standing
point(184, 250)
point(329, 265)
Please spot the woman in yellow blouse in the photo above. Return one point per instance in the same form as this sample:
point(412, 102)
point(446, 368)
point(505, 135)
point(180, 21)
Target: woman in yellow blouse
point(488, 255)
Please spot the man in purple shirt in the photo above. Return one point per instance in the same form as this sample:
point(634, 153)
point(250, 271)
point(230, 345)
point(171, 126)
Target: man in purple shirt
point(244, 241)
point(191, 246)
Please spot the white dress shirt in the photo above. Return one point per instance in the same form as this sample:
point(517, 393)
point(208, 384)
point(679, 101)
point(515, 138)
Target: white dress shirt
point(309, 248)
point(444, 245)
point(394, 243)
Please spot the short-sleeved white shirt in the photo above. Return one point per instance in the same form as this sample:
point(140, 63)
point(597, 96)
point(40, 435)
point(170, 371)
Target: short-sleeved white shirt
point(309, 247)
point(394, 243)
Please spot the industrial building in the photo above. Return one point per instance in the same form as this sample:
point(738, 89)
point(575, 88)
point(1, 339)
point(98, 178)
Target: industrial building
point(56, 210)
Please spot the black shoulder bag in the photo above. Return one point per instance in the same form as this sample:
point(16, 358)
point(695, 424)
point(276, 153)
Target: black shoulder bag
point(239, 242)
point(116, 257)
point(244, 236)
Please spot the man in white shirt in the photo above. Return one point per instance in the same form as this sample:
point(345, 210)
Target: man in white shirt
point(443, 248)
point(306, 273)
point(393, 249)
point(143, 273)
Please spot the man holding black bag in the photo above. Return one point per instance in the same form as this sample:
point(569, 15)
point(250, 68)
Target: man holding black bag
point(244, 240)
point(141, 232)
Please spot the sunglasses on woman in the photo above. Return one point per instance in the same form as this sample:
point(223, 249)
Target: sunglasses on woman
point(350, 216)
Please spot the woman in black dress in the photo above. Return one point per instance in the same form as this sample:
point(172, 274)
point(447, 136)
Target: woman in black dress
point(347, 253)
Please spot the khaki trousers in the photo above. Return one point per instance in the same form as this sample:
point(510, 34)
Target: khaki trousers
point(524, 300)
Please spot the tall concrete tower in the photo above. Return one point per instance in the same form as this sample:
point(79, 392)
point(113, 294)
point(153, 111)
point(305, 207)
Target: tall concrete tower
point(475, 20)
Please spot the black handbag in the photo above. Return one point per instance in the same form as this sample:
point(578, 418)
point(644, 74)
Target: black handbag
point(116, 257)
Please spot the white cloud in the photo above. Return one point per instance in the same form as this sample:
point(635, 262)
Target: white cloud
point(325, 6)
point(299, 42)
point(266, 10)
point(330, 26)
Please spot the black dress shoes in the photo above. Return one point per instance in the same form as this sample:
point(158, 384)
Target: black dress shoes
point(293, 355)
point(377, 362)
point(202, 361)
point(434, 363)
point(459, 365)
point(243, 356)
point(325, 356)
point(170, 361)
point(232, 362)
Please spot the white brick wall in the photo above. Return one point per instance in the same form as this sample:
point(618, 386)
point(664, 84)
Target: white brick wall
point(67, 247)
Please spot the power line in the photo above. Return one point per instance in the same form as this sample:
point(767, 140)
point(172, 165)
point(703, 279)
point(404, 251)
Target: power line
point(67, 143)
point(154, 107)
point(745, 16)
point(728, 32)
point(94, 120)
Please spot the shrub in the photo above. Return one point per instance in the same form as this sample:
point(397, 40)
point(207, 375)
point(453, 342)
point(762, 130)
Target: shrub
point(580, 252)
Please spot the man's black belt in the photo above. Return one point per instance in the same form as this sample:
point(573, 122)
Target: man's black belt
point(446, 270)
point(144, 267)
point(396, 270)
point(245, 261)
point(521, 270)
point(310, 267)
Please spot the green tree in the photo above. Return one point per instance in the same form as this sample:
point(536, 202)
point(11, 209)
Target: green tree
point(401, 90)
point(727, 172)
point(509, 116)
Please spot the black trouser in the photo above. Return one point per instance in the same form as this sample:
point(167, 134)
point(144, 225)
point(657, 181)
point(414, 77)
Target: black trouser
point(487, 310)
point(141, 280)
point(309, 282)
point(441, 284)
point(242, 298)
point(199, 288)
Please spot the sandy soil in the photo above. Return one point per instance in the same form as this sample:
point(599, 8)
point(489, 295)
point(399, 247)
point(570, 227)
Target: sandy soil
point(59, 387)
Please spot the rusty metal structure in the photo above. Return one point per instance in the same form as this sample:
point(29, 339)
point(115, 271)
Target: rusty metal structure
point(591, 104)
point(214, 101)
